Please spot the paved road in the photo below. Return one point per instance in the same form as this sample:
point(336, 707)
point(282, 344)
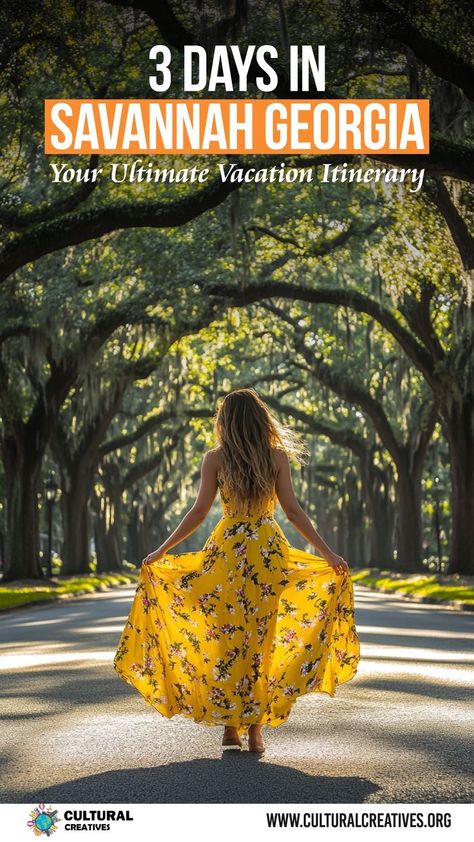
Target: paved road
point(75, 732)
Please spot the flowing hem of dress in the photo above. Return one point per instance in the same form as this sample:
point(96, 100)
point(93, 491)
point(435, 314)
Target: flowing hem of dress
point(274, 722)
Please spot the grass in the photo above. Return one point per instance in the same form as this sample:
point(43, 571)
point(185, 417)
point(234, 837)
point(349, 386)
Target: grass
point(443, 588)
point(21, 593)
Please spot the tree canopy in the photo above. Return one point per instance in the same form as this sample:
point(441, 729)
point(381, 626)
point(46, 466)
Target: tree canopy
point(128, 310)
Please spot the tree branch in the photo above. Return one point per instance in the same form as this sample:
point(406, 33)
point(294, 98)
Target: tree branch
point(462, 237)
point(444, 63)
point(152, 423)
point(357, 301)
point(86, 225)
point(17, 221)
point(418, 316)
point(342, 436)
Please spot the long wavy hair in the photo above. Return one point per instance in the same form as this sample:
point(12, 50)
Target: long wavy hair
point(248, 435)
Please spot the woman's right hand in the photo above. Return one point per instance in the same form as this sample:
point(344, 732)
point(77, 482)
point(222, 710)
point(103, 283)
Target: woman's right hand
point(154, 556)
point(338, 563)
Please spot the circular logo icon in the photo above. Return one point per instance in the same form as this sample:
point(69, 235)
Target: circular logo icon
point(43, 821)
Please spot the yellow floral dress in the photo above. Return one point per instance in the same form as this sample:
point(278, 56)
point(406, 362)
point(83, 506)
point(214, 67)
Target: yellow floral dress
point(235, 633)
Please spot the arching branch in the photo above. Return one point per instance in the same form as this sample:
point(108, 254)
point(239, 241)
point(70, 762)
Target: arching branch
point(356, 301)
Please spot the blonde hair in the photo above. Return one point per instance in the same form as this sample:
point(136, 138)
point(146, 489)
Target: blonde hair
point(248, 435)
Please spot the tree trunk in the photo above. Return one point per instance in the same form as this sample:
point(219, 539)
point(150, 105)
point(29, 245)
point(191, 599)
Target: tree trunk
point(23, 451)
point(459, 430)
point(340, 534)
point(375, 488)
point(145, 540)
point(381, 535)
point(354, 522)
point(22, 459)
point(108, 526)
point(133, 545)
point(75, 509)
point(409, 530)
point(140, 540)
point(352, 542)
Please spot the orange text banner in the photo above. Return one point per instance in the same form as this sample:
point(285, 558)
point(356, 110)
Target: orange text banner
point(213, 127)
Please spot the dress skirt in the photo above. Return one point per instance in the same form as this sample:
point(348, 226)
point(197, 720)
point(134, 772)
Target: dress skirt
point(235, 633)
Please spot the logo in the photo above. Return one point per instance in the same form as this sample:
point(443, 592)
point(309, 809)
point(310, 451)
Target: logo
point(43, 821)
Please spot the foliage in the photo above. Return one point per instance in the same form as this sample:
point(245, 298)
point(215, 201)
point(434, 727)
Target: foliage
point(15, 595)
point(437, 588)
point(128, 310)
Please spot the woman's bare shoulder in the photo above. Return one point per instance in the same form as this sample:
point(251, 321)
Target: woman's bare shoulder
point(280, 457)
point(214, 451)
point(213, 456)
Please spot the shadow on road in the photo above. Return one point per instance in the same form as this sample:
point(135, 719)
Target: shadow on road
point(234, 778)
point(431, 690)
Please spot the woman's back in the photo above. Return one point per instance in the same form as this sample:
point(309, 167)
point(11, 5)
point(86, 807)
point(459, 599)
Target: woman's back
point(232, 508)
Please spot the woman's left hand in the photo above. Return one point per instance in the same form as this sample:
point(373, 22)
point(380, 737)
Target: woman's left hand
point(338, 563)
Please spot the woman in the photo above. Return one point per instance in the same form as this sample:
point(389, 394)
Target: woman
point(234, 633)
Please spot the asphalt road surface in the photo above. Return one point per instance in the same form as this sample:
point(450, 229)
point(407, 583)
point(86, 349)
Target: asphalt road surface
point(75, 732)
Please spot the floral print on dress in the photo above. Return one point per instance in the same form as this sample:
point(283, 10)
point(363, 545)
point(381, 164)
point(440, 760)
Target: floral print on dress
point(233, 634)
